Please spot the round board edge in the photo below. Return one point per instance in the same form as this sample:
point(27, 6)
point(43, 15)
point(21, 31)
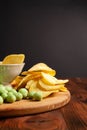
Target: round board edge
point(27, 107)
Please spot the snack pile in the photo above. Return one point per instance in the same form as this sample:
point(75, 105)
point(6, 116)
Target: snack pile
point(36, 83)
point(40, 80)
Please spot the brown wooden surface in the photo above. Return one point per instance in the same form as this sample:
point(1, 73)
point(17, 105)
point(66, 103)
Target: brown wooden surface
point(72, 116)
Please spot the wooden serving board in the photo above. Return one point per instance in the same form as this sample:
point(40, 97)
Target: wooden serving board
point(26, 107)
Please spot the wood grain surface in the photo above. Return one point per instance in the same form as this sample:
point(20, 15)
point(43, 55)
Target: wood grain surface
point(72, 116)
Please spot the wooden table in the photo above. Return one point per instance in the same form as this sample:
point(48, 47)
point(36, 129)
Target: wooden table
point(73, 116)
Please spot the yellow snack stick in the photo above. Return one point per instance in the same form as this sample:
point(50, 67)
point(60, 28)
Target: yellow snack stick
point(16, 81)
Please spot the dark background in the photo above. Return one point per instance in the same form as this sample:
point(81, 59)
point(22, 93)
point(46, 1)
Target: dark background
point(49, 31)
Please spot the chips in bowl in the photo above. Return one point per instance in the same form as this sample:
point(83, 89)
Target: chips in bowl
point(14, 59)
point(11, 66)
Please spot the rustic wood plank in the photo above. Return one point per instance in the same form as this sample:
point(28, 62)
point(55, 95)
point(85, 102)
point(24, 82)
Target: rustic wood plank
point(44, 121)
point(75, 113)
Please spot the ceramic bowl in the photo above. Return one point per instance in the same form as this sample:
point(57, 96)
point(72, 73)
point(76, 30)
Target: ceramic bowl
point(9, 71)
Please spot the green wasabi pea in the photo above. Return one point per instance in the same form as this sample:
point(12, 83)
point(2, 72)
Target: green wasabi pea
point(8, 88)
point(1, 100)
point(37, 96)
point(10, 93)
point(24, 92)
point(4, 95)
point(31, 94)
point(14, 92)
point(19, 96)
point(2, 89)
point(10, 97)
